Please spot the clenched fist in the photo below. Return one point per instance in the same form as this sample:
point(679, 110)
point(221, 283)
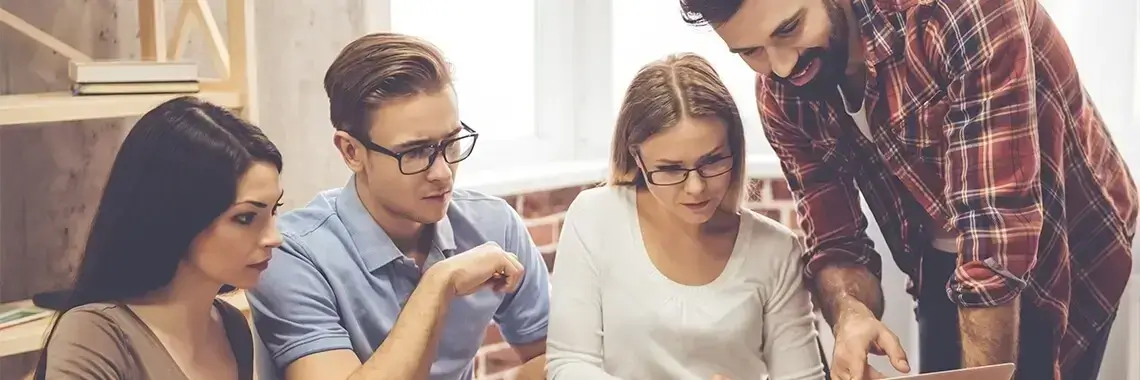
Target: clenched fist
point(485, 265)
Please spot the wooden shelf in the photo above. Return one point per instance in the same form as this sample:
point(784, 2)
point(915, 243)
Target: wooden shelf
point(30, 336)
point(62, 106)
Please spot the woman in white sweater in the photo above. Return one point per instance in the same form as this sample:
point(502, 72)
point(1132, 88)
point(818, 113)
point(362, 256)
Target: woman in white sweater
point(662, 274)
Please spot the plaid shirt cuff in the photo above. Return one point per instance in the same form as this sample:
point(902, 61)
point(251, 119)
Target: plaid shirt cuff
point(983, 284)
point(818, 260)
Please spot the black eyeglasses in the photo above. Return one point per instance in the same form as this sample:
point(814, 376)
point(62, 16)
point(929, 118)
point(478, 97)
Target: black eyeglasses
point(716, 166)
point(419, 159)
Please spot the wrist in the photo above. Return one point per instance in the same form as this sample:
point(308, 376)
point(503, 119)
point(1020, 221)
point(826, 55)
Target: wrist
point(440, 280)
point(850, 309)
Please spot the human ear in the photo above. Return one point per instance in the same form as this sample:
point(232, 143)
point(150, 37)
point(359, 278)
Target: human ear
point(350, 150)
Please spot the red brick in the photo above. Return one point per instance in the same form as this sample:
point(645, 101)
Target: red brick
point(755, 185)
point(499, 360)
point(512, 200)
point(770, 212)
point(543, 203)
point(549, 259)
point(780, 190)
point(543, 234)
point(794, 223)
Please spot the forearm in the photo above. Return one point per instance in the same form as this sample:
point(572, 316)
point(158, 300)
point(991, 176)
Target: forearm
point(533, 369)
point(841, 290)
point(409, 349)
point(990, 334)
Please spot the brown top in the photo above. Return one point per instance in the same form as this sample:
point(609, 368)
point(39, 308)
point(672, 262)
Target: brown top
point(104, 341)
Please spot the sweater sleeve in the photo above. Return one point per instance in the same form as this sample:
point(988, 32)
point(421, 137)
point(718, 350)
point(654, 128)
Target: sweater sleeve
point(574, 344)
point(790, 348)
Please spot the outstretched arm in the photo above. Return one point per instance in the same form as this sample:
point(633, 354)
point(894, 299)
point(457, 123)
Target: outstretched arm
point(992, 170)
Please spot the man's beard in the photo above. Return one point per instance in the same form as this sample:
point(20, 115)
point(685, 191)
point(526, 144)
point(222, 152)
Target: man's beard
point(832, 59)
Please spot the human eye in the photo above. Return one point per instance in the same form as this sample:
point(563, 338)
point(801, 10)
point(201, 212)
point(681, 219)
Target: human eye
point(788, 28)
point(245, 218)
point(421, 152)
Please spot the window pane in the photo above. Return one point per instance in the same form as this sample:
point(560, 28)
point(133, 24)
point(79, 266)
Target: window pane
point(647, 30)
point(491, 49)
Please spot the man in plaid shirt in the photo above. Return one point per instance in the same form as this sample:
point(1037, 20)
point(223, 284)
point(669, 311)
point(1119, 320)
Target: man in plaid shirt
point(986, 165)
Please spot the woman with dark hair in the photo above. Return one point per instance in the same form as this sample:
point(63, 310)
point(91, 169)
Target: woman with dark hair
point(187, 211)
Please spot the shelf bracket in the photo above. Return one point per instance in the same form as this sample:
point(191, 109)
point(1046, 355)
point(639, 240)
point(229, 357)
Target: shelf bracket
point(42, 37)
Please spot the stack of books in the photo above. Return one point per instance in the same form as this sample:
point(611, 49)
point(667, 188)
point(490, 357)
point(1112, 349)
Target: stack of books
point(133, 77)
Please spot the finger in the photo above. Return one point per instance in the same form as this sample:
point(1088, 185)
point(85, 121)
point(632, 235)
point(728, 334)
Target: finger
point(872, 373)
point(851, 361)
point(876, 350)
point(839, 373)
point(846, 365)
point(893, 348)
point(512, 272)
point(515, 260)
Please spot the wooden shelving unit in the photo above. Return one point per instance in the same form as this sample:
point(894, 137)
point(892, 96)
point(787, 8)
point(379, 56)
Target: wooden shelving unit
point(232, 55)
point(62, 106)
point(30, 336)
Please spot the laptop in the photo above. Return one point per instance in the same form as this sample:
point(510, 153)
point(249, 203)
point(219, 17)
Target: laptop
point(990, 372)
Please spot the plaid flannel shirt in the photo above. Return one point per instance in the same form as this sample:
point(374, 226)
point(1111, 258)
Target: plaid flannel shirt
point(977, 119)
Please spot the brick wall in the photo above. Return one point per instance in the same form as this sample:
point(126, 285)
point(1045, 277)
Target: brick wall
point(543, 213)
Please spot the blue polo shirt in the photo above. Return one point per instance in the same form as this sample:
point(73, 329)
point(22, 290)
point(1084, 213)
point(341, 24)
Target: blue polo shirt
point(339, 282)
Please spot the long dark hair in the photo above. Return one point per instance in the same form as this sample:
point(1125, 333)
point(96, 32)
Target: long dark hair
point(175, 173)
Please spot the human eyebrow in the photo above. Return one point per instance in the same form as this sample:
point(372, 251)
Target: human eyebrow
point(714, 153)
point(426, 141)
point(788, 25)
point(743, 50)
point(784, 27)
point(259, 204)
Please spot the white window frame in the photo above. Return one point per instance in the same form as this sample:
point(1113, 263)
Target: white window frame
point(574, 101)
point(554, 122)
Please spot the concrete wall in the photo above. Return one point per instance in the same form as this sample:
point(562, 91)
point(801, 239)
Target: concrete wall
point(51, 175)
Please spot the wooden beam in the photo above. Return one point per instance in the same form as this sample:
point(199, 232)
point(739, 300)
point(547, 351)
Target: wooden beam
point(40, 36)
point(214, 36)
point(152, 30)
point(182, 27)
point(243, 50)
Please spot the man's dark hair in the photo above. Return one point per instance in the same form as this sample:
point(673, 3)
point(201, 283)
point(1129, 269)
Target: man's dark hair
point(708, 12)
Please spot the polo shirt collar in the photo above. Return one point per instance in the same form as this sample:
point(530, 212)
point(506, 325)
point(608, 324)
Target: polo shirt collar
point(374, 245)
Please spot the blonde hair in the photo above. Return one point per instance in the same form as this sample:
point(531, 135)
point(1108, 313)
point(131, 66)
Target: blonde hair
point(663, 93)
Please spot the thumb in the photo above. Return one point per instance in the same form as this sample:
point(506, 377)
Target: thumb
point(890, 344)
point(719, 377)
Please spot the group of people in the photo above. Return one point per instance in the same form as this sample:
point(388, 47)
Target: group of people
point(961, 122)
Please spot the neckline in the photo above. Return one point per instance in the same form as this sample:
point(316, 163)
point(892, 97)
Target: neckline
point(153, 338)
point(846, 104)
point(730, 267)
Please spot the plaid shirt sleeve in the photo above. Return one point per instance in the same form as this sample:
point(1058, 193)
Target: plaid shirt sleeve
point(826, 198)
point(992, 158)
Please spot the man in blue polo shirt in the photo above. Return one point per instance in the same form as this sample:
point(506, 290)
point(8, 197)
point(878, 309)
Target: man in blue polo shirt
point(396, 275)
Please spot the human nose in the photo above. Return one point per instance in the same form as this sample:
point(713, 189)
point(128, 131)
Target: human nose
point(695, 184)
point(439, 169)
point(783, 60)
point(272, 236)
